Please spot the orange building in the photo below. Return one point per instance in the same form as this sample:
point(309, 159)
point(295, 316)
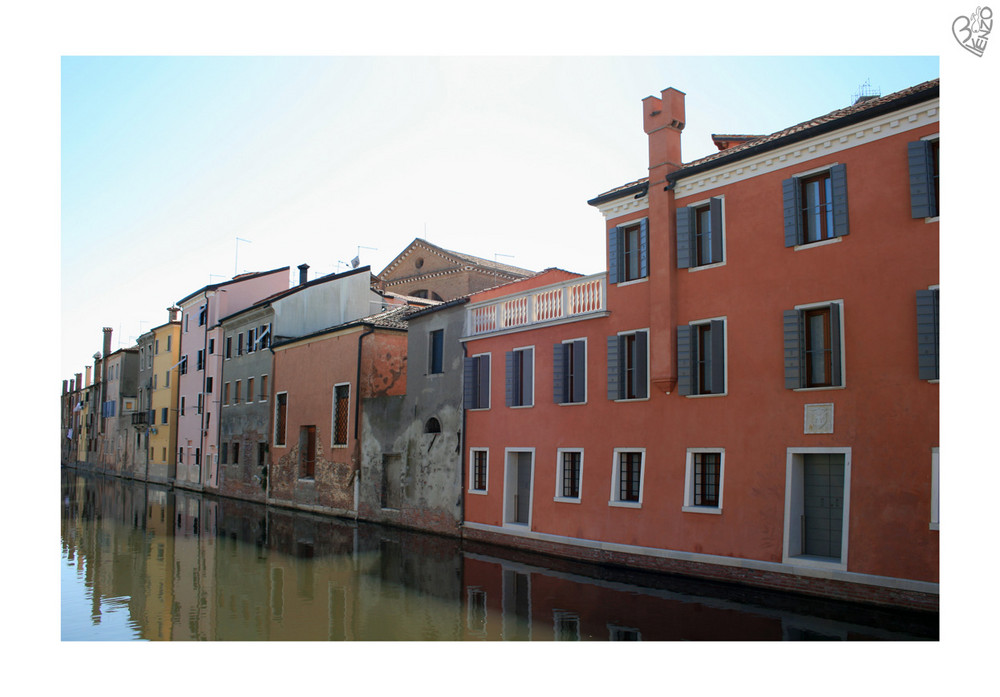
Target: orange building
point(750, 392)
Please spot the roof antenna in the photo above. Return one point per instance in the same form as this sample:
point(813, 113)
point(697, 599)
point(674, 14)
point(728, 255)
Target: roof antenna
point(236, 265)
point(865, 92)
point(356, 261)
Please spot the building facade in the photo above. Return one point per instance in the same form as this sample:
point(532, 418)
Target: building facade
point(759, 400)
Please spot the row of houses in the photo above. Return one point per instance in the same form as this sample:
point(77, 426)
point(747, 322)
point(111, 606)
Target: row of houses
point(748, 392)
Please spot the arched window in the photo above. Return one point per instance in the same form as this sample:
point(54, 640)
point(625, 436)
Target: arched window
point(432, 426)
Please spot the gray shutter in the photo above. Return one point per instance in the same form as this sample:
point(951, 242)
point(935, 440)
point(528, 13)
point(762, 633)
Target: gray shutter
point(685, 360)
point(835, 357)
point(509, 388)
point(838, 183)
point(715, 211)
point(527, 359)
point(922, 203)
point(641, 372)
point(469, 384)
point(644, 248)
point(614, 373)
point(718, 356)
point(685, 243)
point(928, 334)
point(792, 200)
point(559, 373)
point(794, 337)
point(579, 349)
point(484, 382)
point(614, 258)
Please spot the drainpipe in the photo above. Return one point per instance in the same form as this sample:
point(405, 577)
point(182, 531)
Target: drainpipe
point(357, 418)
point(461, 459)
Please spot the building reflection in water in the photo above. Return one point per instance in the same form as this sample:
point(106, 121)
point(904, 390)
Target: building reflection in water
point(193, 567)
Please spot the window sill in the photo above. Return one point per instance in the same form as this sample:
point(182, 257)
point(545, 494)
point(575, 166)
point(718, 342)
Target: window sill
point(625, 504)
point(703, 267)
point(572, 404)
point(820, 243)
point(339, 446)
point(521, 406)
point(934, 526)
point(478, 492)
point(819, 389)
point(702, 509)
point(932, 219)
point(622, 284)
point(561, 499)
point(700, 396)
point(633, 399)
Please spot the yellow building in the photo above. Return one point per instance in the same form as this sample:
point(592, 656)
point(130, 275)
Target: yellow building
point(163, 406)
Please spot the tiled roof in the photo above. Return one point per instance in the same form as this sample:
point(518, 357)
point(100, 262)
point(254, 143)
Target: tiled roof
point(393, 318)
point(862, 108)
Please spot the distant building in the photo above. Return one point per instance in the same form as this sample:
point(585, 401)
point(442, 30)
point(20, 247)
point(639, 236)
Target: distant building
point(424, 270)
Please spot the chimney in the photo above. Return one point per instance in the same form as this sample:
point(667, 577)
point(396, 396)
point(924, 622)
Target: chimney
point(107, 341)
point(172, 313)
point(79, 381)
point(663, 121)
point(88, 375)
point(65, 387)
point(303, 274)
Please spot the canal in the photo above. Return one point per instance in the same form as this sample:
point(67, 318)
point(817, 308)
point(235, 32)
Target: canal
point(146, 562)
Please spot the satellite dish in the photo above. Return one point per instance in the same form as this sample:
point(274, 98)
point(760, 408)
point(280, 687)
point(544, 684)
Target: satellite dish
point(355, 262)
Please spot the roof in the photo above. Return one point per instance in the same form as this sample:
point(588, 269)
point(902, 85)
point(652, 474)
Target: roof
point(460, 257)
point(862, 109)
point(420, 312)
point(394, 318)
point(235, 279)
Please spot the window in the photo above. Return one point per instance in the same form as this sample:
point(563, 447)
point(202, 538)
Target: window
point(239, 344)
point(211, 346)
point(225, 394)
point(701, 358)
point(197, 456)
point(202, 315)
point(566, 626)
point(237, 392)
point(261, 453)
point(156, 347)
point(229, 347)
point(813, 350)
point(180, 456)
point(519, 385)
point(436, 352)
point(264, 336)
point(166, 379)
point(478, 470)
point(280, 414)
point(703, 480)
point(168, 351)
point(628, 368)
point(699, 235)
point(626, 486)
point(251, 340)
point(201, 402)
point(236, 453)
point(817, 500)
point(208, 384)
point(928, 334)
point(184, 365)
point(249, 390)
point(163, 415)
point(935, 489)
point(341, 413)
point(182, 405)
point(187, 322)
point(569, 372)
point(224, 453)
point(815, 206)
point(201, 359)
point(924, 164)
point(476, 383)
point(263, 388)
point(569, 474)
point(307, 452)
point(628, 252)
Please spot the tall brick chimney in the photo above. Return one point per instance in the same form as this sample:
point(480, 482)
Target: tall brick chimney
point(172, 313)
point(79, 381)
point(107, 341)
point(88, 375)
point(303, 274)
point(663, 120)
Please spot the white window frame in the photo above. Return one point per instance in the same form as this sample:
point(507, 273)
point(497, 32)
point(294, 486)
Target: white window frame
point(648, 359)
point(935, 489)
point(793, 509)
point(472, 471)
point(689, 504)
point(333, 415)
point(843, 342)
point(532, 403)
point(559, 476)
point(725, 257)
point(615, 478)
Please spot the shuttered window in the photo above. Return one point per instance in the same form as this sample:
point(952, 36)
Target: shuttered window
point(815, 207)
point(928, 334)
point(628, 252)
point(569, 372)
point(476, 382)
point(923, 156)
point(700, 235)
point(627, 366)
point(519, 383)
point(812, 347)
point(701, 358)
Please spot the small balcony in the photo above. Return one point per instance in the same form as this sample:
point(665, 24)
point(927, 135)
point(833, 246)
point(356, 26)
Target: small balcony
point(577, 299)
point(140, 418)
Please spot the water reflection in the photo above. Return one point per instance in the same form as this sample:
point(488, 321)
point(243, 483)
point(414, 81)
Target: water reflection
point(189, 567)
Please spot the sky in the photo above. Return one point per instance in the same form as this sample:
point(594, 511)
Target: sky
point(141, 140)
point(178, 172)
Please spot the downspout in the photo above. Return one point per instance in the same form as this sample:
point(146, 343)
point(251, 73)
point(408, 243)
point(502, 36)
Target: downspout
point(357, 418)
point(461, 441)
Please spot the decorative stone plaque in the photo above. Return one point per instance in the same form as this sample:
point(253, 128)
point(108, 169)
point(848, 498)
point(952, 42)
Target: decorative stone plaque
point(819, 418)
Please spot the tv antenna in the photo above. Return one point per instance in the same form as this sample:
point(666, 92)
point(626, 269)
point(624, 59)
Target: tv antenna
point(236, 265)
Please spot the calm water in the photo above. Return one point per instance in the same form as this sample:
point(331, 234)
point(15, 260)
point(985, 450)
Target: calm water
point(144, 562)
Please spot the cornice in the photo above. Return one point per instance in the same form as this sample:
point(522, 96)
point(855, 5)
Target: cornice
point(807, 150)
point(623, 206)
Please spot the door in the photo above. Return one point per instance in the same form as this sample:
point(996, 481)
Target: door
point(823, 505)
point(518, 503)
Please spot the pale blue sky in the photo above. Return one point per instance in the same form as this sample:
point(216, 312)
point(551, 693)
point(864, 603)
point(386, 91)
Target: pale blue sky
point(166, 161)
